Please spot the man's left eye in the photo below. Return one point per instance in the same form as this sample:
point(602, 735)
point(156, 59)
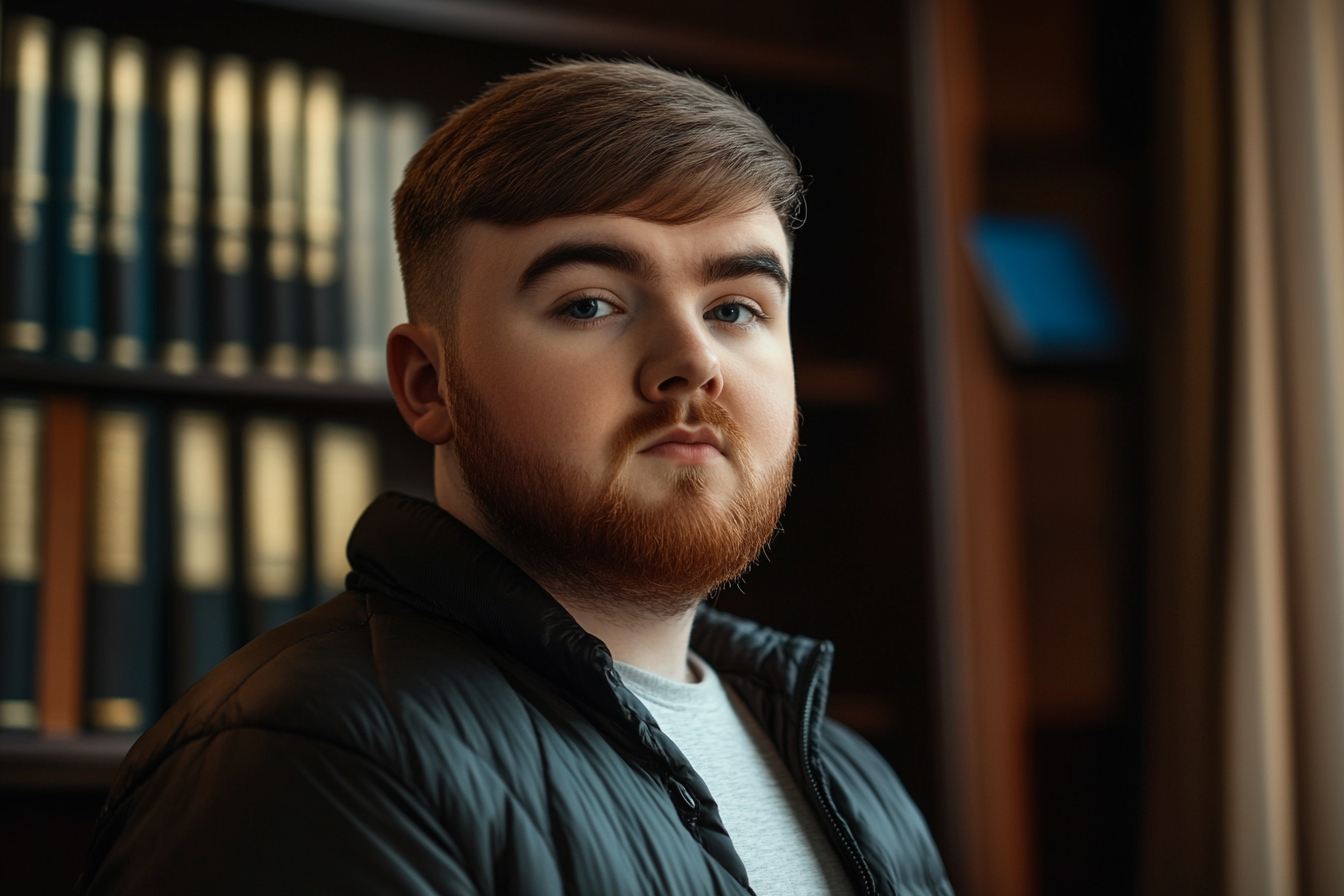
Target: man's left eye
point(588, 308)
point(730, 313)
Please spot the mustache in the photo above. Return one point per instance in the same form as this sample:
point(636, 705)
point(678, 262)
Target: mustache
point(694, 412)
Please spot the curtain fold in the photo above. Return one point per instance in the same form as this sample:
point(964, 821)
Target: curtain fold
point(1248, 559)
point(1260, 827)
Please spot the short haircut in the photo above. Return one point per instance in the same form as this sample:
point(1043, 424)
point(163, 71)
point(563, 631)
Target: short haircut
point(584, 137)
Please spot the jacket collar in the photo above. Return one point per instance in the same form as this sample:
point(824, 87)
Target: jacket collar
point(416, 552)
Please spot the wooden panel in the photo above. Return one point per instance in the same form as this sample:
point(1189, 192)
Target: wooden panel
point(988, 832)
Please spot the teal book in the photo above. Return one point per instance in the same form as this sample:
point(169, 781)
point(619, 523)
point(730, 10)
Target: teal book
point(230, 152)
point(274, 530)
point(20, 558)
point(123, 672)
point(1046, 294)
point(281, 306)
point(25, 178)
point(322, 223)
point(181, 291)
point(78, 193)
point(129, 275)
point(204, 607)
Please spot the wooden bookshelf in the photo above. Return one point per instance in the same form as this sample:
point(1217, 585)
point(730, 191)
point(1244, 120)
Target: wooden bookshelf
point(77, 762)
point(100, 379)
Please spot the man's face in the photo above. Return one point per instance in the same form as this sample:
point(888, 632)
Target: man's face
point(609, 374)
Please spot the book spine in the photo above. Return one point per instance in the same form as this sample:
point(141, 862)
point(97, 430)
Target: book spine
point(408, 126)
point(61, 604)
point(182, 311)
point(281, 157)
point(20, 559)
point(23, 248)
point(78, 145)
point(345, 480)
point(231, 213)
point(365, 239)
point(204, 609)
point(273, 538)
point(123, 672)
point(129, 272)
point(322, 221)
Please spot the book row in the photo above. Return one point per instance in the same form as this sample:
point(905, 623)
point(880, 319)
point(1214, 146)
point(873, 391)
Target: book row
point(166, 208)
point(142, 544)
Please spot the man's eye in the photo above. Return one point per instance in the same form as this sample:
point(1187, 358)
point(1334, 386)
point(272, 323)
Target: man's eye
point(588, 309)
point(730, 313)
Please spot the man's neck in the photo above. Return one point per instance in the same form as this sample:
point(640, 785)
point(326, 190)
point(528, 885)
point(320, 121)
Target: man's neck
point(653, 643)
point(650, 641)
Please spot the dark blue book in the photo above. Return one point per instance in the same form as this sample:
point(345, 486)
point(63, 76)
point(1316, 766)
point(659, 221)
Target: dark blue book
point(1046, 294)
point(229, 149)
point(20, 558)
point(204, 607)
point(78, 193)
point(130, 163)
point(181, 100)
point(274, 530)
point(281, 311)
point(123, 671)
point(322, 222)
point(25, 170)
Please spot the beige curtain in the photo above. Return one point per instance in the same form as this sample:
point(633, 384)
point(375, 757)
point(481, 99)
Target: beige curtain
point(1272, 606)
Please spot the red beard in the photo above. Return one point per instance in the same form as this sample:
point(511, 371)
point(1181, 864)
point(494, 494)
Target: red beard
point(603, 545)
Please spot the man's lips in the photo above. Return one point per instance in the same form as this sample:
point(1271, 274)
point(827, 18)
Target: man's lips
point(695, 445)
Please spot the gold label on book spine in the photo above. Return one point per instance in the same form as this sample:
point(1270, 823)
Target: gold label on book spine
point(117, 549)
point(83, 85)
point(20, 482)
point(230, 113)
point(322, 174)
point(182, 120)
point(201, 500)
point(274, 542)
point(115, 714)
point(345, 480)
point(18, 715)
point(128, 74)
point(283, 101)
point(25, 335)
point(30, 77)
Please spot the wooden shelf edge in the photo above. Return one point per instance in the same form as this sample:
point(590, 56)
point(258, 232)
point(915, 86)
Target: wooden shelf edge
point(44, 374)
point(521, 23)
point(77, 762)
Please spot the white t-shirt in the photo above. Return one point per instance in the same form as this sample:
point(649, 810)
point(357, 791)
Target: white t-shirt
point(778, 837)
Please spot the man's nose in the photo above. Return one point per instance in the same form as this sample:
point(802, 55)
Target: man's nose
point(682, 361)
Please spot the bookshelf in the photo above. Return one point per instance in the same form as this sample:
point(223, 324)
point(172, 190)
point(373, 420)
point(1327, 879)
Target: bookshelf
point(857, 525)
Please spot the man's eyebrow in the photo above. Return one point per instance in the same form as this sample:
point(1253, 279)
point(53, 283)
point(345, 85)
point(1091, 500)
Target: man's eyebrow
point(747, 264)
point(605, 255)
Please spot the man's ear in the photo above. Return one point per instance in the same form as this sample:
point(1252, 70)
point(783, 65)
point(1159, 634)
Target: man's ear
point(413, 359)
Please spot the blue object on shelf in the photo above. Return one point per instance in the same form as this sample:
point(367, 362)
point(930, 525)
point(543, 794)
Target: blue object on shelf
point(1047, 296)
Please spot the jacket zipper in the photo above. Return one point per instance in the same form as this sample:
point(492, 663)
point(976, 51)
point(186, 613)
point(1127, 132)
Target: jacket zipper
point(839, 834)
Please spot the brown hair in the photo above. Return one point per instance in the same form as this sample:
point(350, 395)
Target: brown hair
point(584, 137)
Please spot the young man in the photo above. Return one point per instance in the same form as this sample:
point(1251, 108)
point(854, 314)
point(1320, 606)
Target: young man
point(522, 691)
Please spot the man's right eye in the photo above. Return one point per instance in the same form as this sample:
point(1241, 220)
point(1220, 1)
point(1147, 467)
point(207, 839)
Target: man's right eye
point(588, 308)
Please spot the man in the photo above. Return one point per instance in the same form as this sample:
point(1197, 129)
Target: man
point(522, 691)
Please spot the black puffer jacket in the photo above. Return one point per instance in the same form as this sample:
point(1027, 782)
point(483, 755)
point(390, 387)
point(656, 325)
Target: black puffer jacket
point(446, 727)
